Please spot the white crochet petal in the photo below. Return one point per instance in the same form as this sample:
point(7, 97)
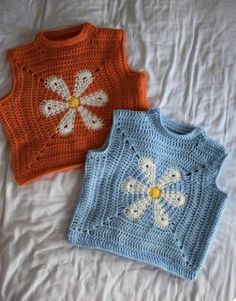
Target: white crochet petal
point(58, 85)
point(66, 125)
point(148, 168)
point(172, 176)
point(97, 99)
point(52, 107)
point(82, 80)
point(161, 218)
point(137, 209)
point(177, 199)
point(133, 186)
point(91, 121)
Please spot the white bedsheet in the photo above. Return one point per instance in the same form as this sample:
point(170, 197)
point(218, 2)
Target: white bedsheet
point(188, 48)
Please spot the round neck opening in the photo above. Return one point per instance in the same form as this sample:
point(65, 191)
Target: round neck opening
point(176, 130)
point(66, 36)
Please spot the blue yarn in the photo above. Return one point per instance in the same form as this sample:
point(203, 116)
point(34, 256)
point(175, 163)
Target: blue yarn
point(150, 193)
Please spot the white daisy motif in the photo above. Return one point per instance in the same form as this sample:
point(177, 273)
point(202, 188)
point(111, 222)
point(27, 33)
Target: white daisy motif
point(74, 103)
point(153, 193)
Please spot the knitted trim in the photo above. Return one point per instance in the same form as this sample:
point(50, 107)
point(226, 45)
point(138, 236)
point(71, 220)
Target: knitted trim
point(79, 32)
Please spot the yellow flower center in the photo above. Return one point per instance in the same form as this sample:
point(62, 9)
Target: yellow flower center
point(154, 193)
point(74, 102)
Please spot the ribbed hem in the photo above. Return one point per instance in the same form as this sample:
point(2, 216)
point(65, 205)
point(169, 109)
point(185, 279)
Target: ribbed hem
point(86, 240)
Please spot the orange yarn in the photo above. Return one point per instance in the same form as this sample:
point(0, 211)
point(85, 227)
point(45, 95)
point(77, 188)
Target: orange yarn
point(66, 84)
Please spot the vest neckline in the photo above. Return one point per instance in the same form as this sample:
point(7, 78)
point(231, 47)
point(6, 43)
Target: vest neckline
point(49, 38)
point(175, 130)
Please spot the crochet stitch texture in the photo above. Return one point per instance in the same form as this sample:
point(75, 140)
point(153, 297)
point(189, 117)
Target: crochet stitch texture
point(66, 85)
point(150, 193)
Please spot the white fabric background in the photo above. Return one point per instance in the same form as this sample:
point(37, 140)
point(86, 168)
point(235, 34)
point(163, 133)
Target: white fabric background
point(188, 49)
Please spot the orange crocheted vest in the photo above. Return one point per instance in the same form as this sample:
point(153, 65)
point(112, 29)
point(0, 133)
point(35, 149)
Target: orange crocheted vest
point(66, 84)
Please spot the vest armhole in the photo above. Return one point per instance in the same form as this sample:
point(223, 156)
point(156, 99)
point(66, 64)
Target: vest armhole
point(124, 56)
point(219, 163)
point(215, 161)
point(6, 97)
point(218, 184)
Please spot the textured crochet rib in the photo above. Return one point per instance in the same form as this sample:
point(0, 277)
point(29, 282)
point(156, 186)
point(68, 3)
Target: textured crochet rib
point(150, 193)
point(66, 84)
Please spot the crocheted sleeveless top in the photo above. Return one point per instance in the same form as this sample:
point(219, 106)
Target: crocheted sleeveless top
point(150, 193)
point(66, 85)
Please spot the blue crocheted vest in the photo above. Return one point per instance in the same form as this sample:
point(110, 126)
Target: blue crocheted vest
point(150, 193)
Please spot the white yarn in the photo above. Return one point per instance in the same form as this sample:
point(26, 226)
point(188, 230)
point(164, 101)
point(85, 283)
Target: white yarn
point(58, 85)
point(137, 209)
point(66, 125)
point(97, 99)
point(51, 107)
point(91, 121)
point(82, 80)
point(133, 186)
point(148, 168)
